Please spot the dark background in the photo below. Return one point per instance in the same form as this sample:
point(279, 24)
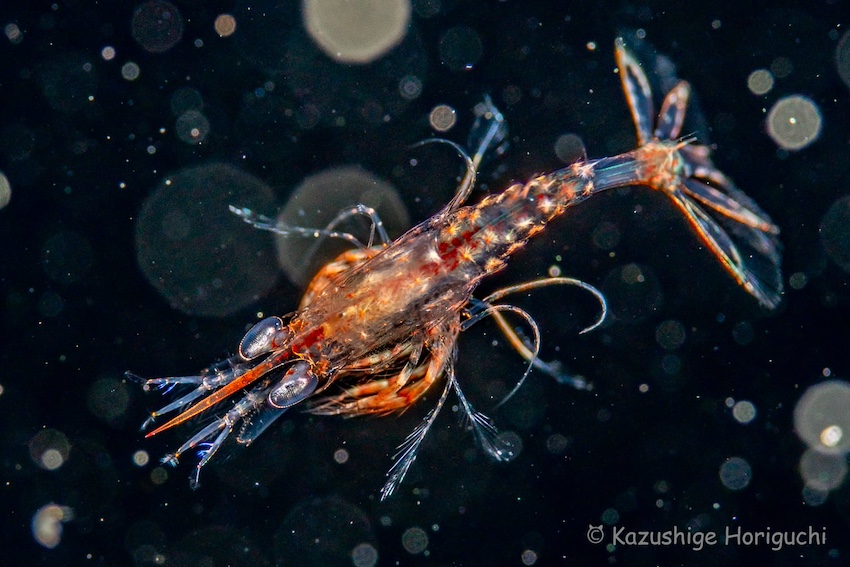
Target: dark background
point(78, 311)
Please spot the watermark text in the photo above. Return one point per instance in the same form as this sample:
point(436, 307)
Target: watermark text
point(698, 540)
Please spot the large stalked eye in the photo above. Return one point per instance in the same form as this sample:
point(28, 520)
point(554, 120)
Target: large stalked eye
point(296, 385)
point(258, 340)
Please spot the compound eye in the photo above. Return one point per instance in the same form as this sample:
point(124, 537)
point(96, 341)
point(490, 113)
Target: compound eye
point(295, 386)
point(260, 338)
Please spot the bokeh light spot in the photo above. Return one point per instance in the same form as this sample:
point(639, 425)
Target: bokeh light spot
point(5, 190)
point(798, 280)
point(157, 26)
point(760, 82)
point(744, 411)
point(606, 235)
point(341, 456)
point(735, 473)
point(185, 99)
point(529, 557)
point(511, 94)
point(610, 516)
point(49, 449)
point(557, 444)
point(197, 254)
point(743, 333)
point(159, 475)
point(410, 87)
point(47, 524)
point(356, 32)
point(842, 58)
point(670, 334)
point(13, 33)
point(323, 531)
point(192, 127)
point(794, 122)
point(52, 459)
point(414, 540)
point(68, 81)
point(141, 458)
point(569, 148)
point(317, 200)
point(364, 555)
point(108, 399)
point(460, 48)
point(225, 25)
point(633, 292)
point(814, 496)
point(130, 71)
point(835, 232)
point(831, 436)
point(442, 118)
point(821, 413)
point(822, 471)
point(781, 67)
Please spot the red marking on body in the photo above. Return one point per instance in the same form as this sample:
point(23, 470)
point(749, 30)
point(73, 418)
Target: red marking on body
point(310, 339)
point(448, 253)
point(431, 268)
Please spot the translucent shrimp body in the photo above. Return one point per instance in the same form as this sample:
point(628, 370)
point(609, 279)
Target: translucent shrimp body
point(378, 327)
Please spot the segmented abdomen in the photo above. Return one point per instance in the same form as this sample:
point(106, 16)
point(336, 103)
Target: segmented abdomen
point(487, 233)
